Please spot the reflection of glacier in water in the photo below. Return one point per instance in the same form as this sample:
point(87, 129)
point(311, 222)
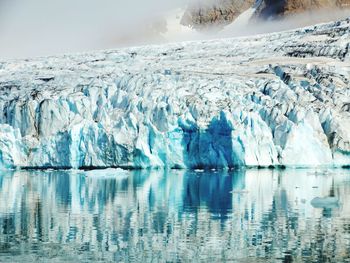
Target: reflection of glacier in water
point(174, 216)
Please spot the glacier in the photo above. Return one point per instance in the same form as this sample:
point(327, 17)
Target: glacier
point(280, 99)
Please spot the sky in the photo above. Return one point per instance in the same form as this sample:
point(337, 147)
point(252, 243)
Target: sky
point(31, 28)
point(40, 27)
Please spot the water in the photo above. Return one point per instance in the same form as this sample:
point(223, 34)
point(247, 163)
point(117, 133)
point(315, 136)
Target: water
point(174, 216)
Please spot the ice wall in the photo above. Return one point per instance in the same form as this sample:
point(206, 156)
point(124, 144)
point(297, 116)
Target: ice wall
point(277, 99)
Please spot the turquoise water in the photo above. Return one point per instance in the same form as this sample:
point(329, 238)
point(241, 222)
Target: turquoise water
point(174, 216)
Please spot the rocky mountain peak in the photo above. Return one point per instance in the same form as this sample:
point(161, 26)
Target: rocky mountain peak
point(223, 12)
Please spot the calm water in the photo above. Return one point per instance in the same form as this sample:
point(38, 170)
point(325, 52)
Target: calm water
point(174, 216)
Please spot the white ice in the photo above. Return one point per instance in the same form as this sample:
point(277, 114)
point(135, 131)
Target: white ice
point(269, 100)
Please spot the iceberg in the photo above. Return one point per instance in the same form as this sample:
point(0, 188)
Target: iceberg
point(280, 99)
point(109, 173)
point(325, 202)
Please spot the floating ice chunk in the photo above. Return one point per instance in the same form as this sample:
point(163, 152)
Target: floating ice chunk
point(239, 192)
point(115, 173)
point(325, 202)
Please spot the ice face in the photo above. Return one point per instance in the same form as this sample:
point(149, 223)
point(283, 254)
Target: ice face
point(271, 100)
point(12, 150)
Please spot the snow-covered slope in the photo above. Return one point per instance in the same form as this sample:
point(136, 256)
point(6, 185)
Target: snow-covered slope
point(243, 19)
point(278, 99)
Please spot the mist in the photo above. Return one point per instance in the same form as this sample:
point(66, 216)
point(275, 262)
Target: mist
point(42, 27)
point(288, 22)
point(31, 28)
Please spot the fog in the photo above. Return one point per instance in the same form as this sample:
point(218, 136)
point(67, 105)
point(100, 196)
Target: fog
point(285, 23)
point(30, 28)
point(42, 27)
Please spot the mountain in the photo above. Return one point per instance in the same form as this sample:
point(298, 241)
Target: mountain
point(222, 12)
point(280, 99)
point(273, 8)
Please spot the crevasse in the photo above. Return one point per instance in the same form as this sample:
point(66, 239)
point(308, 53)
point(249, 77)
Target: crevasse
point(272, 100)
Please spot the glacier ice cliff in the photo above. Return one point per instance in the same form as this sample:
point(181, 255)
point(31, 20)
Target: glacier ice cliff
point(280, 99)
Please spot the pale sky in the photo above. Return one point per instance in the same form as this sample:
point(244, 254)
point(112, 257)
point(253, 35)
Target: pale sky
point(30, 28)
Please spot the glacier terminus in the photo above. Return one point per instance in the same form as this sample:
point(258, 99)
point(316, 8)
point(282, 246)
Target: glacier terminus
point(280, 99)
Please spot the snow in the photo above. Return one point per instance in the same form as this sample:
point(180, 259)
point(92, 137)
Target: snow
point(243, 19)
point(269, 100)
point(175, 30)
